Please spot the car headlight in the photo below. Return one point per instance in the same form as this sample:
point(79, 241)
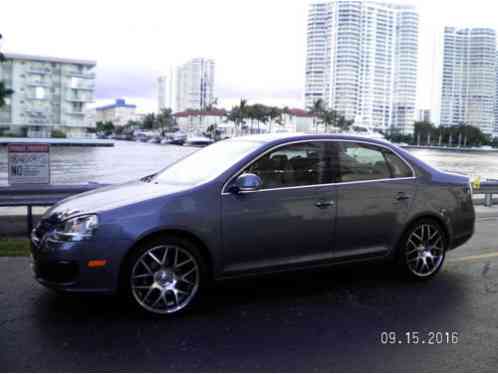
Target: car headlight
point(76, 229)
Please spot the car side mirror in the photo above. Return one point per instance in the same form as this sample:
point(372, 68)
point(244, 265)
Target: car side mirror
point(246, 183)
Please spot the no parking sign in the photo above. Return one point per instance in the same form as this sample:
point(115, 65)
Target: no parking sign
point(29, 163)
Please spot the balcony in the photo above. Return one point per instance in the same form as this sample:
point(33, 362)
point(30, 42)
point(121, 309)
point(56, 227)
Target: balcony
point(38, 83)
point(75, 113)
point(34, 98)
point(38, 70)
point(79, 74)
point(84, 87)
point(79, 99)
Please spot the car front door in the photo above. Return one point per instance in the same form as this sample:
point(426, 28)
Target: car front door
point(374, 196)
point(290, 219)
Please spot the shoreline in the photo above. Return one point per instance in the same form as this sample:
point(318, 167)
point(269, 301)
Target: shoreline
point(66, 142)
point(448, 149)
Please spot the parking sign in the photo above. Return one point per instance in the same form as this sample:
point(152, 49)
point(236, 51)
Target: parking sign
point(29, 163)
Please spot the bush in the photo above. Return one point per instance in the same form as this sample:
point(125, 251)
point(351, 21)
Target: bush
point(58, 134)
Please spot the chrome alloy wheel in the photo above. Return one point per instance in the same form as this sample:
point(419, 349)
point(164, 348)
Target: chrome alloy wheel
point(425, 250)
point(165, 279)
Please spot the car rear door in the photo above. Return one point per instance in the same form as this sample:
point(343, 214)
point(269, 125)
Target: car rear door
point(375, 192)
point(290, 219)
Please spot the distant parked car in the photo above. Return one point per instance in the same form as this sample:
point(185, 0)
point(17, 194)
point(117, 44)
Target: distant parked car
point(251, 205)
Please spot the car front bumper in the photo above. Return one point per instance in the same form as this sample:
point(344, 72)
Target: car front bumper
point(70, 266)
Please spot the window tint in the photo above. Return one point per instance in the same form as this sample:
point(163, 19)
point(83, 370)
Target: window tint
point(399, 169)
point(362, 162)
point(303, 164)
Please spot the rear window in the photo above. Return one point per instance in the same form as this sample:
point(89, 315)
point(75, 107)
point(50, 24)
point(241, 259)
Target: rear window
point(366, 162)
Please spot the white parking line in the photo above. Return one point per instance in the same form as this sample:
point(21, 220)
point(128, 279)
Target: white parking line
point(474, 258)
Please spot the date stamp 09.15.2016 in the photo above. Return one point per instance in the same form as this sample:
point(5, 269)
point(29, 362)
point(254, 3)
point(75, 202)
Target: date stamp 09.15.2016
point(419, 338)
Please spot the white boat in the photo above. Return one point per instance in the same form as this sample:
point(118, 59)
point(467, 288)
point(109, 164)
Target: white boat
point(198, 141)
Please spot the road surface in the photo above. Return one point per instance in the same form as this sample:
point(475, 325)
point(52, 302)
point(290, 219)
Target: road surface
point(309, 321)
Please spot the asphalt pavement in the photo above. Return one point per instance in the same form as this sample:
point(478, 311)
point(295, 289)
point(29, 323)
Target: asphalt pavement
point(333, 320)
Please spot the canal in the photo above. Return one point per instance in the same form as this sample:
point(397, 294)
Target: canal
point(132, 160)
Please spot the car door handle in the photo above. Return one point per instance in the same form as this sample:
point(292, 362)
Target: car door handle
point(402, 197)
point(325, 204)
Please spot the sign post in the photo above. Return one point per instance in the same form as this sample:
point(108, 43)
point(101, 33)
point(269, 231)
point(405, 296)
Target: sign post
point(29, 164)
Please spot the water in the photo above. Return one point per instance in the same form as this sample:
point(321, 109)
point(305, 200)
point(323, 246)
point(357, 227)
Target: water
point(132, 160)
point(473, 164)
point(123, 162)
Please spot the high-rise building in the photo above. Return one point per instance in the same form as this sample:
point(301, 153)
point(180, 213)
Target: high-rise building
point(49, 93)
point(469, 78)
point(424, 115)
point(195, 84)
point(166, 88)
point(495, 132)
point(362, 61)
point(162, 82)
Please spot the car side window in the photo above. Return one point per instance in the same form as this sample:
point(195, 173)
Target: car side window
point(362, 162)
point(301, 164)
point(399, 168)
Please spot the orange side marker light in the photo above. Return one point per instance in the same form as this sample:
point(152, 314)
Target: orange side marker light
point(97, 263)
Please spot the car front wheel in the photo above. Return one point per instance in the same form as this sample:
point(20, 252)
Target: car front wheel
point(165, 275)
point(423, 250)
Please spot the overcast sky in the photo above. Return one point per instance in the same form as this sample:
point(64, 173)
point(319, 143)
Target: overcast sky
point(258, 45)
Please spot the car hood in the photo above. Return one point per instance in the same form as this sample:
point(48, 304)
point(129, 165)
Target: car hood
point(111, 197)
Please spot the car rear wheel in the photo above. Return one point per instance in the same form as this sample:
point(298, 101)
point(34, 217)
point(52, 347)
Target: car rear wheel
point(423, 250)
point(165, 276)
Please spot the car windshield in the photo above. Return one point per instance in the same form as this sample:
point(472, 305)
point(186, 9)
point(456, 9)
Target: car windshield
point(206, 163)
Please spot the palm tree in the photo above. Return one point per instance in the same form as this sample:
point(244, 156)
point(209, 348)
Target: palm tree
point(237, 114)
point(343, 123)
point(4, 93)
point(316, 110)
point(149, 121)
point(166, 120)
point(329, 118)
point(273, 114)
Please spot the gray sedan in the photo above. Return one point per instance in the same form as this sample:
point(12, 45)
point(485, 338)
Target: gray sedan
point(254, 205)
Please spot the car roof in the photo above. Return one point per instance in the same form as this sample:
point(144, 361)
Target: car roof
point(277, 138)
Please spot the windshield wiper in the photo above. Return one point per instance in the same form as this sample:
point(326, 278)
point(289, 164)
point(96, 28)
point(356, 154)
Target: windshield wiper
point(148, 178)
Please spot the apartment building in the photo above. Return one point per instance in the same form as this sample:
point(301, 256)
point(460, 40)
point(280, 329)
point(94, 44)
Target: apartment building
point(49, 93)
point(424, 115)
point(195, 84)
point(119, 113)
point(469, 78)
point(362, 61)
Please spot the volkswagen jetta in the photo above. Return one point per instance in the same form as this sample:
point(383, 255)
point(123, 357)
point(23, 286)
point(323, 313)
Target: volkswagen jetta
point(251, 205)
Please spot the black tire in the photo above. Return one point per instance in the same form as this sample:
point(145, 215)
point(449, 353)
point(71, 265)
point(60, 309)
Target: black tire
point(141, 253)
point(414, 259)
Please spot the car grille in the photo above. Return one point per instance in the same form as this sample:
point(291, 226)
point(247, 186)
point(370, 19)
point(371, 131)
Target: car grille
point(62, 272)
point(42, 228)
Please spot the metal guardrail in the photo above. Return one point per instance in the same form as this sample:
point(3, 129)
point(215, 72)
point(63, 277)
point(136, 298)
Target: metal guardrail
point(488, 189)
point(31, 196)
point(36, 195)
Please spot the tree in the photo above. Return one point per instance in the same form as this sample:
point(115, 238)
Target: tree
point(343, 123)
point(316, 110)
point(105, 127)
point(4, 91)
point(166, 120)
point(461, 134)
point(149, 121)
point(238, 114)
point(274, 113)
